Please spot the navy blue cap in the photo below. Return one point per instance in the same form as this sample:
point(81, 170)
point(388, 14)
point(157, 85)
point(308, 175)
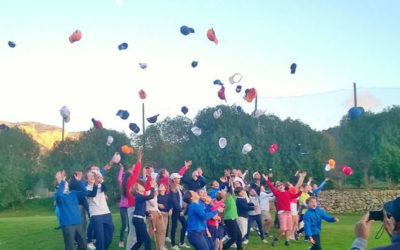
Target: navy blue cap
point(143, 65)
point(123, 46)
point(123, 114)
point(4, 127)
point(238, 88)
point(185, 30)
point(134, 127)
point(11, 44)
point(392, 208)
point(293, 68)
point(218, 82)
point(184, 110)
point(152, 119)
point(194, 64)
point(239, 109)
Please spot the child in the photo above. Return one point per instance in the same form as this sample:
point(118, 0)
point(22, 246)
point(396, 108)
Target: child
point(243, 208)
point(266, 218)
point(100, 215)
point(213, 224)
point(215, 189)
point(283, 206)
point(123, 204)
point(230, 216)
point(139, 215)
point(312, 222)
point(306, 188)
point(255, 215)
point(165, 210)
point(70, 218)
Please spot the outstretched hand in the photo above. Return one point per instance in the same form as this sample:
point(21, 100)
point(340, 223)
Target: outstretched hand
point(265, 177)
point(78, 175)
point(139, 156)
point(188, 163)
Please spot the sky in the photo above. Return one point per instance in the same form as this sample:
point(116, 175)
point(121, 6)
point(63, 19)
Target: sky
point(333, 43)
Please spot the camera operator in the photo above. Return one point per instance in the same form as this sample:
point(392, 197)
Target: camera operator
point(391, 223)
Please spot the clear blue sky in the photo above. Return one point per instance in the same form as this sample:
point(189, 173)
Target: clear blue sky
point(334, 44)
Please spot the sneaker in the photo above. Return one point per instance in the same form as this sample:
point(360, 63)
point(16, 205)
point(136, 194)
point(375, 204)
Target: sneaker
point(164, 248)
point(175, 247)
point(168, 239)
point(91, 246)
point(265, 241)
point(233, 245)
point(296, 236)
point(245, 241)
point(287, 243)
point(121, 244)
point(184, 245)
point(274, 242)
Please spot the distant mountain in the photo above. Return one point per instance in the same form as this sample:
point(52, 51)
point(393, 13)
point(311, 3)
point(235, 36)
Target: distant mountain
point(45, 135)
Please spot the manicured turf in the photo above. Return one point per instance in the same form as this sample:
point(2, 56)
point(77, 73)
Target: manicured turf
point(37, 232)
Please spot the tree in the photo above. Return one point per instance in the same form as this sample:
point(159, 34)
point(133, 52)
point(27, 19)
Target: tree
point(18, 166)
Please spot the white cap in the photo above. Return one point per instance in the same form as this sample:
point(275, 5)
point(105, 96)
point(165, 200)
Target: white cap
point(217, 113)
point(110, 140)
point(196, 131)
point(246, 148)
point(175, 175)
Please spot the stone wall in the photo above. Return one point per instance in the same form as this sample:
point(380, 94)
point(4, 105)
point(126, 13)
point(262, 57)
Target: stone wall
point(355, 200)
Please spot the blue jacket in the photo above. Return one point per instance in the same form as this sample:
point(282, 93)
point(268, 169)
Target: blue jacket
point(317, 190)
point(67, 204)
point(197, 217)
point(214, 192)
point(312, 220)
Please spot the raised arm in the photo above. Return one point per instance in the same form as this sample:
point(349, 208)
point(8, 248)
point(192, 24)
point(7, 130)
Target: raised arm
point(318, 189)
point(135, 170)
point(300, 181)
point(120, 173)
point(183, 170)
point(273, 190)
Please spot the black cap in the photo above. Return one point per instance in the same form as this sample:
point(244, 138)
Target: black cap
point(238, 88)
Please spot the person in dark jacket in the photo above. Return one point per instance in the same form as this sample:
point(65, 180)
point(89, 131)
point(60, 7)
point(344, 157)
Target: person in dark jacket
point(139, 215)
point(243, 208)
point(176, 204)
point(391, 223)
point(196, 182)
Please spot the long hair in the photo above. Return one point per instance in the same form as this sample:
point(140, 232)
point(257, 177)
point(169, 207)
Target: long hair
point(123, 187)
point(160, 175)
point(172, 186)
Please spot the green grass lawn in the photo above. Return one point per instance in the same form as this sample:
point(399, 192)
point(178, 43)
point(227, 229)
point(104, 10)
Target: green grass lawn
point(32, 227)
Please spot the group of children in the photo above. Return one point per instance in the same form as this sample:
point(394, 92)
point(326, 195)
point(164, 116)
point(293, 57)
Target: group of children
point(219, 219)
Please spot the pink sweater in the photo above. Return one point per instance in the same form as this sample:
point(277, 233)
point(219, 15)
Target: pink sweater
point(124, 201)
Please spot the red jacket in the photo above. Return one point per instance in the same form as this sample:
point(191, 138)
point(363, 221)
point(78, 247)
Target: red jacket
point(282, 198)
point(131, 181)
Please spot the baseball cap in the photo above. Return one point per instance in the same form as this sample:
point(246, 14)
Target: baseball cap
point(175, 175)
point(393, 208)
